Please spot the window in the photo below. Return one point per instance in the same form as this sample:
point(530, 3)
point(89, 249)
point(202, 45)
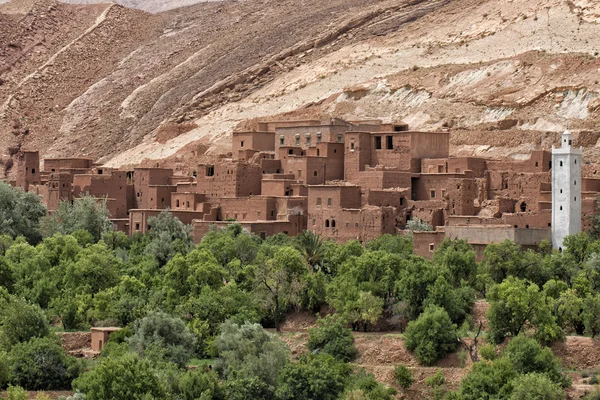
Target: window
point(272, 213)
point(431, 247)
point(570, 142)
point(352, 146)
point(401, 201)
point(340, 138)
point(347, 224)
point(326, 223)
point(314, 173)
point(575, 161)
point(432, 194)
point(457, 170)
point(561, 190)
point(575, 183)
point(281, 140)
point(258, 214)
point(389, 142)
point(377, 142)
point(560, 164)
point(299, 173)
point(297, 139)
point(560, 208)
point(536, 163)
point(329, 201)
point(318, 201)
point(356, 224)
point(187, 204)
point(242, 143)
point(137, 226)
point(318, 152)
point(527, 226)
point(33, 170)
point(523, 207)
point(290, 151)
point(210, 170)
point(308, 139)
point(333, 223)
point(575, 199)
point(244, 216)
point(318, 137)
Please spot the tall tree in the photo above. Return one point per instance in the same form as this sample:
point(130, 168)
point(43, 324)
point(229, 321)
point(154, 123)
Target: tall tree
point(20, 213)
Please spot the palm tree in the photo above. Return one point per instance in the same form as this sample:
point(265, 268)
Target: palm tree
point(312, 247)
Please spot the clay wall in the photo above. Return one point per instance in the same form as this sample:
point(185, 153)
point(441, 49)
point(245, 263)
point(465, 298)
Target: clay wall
point(357, 154)
point(270, 166)
point(380, 179)
point(386, 198)
point(138, 219)
point(28, 169)
point(454, 165)
point(143, 178)
point(333, 197)
point(57, 164)
point(278, 187)
point(254, 208)
point(112, 186)
point(59, 189)
point(160, 196)
point(343, 225)
point(426, 243)
point(187, 201)
point(304, 137)
point(229, 179)
point(293, 226)
point(260, 141)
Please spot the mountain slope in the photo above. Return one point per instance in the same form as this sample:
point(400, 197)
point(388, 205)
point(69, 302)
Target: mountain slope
point(172, 86)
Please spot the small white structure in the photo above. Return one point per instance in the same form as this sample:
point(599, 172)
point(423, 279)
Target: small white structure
point(566, 190)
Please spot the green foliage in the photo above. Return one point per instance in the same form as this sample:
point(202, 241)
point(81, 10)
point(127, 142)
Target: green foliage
point(168, 236)
point(488, 352)
point(536, 386)
point(42, 364)
point(312, 248)
point(278, 281)
point(517, 305)
point(594, 395)
point(331, 337)
point(392, 244)
point(591, 314)
point(249, 351)
point(418, 225)
point(4, 370)
point(364, 386)
point(242, 388)
point(20, 322)
point(86, 213)
point(314, 377)
point(160, 336)
point(198, 384)
point(403, 376)
point(20, 213)
point(124, 377)
point(432, 335)
point(458, 258)
point(16, 393)
point(436, 379)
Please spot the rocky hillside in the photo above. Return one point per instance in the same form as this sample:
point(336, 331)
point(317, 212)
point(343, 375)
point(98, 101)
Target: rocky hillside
point(128, 87)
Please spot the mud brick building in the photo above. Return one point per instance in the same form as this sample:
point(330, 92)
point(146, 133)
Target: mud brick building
point(345, 180)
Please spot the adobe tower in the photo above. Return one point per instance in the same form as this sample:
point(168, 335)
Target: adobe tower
point(566, 190)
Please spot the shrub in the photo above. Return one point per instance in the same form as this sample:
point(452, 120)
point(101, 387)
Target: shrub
point(432, 335)
point(160, 336)
point(16, 393)
point(316, 377)
point(536, 386)
point(4, 370)
point(42, 364)
point(488, 352)
point(198, 385)
point(42, 396)
point(247, 388)
point(436, 379)
point(331, 337)
point(20, 213)
point(595, 395)
point(403, 376)
point(21, 321)
point(365, 386)
point(250, 351)
point(125, 377)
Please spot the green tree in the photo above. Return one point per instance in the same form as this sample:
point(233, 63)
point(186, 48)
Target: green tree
point(403, 377)
point(591, 314)
point(331, 337)
point(42, 364)
point(20, 322)
point(249, 351)
point(392, 244)
point(198, 384)
point(160, 336)
point(458, 257)
point(432, 335)
point(314, 377)
point(124, 377)
point(278, 281)
point(517, 305)
point(168, 236)
point(364, 311)
point(243, 388)
point(86, 213)
point(536, 386)
point(20, 213)
point(312, 248)
point(364, 386)
point(4, 370)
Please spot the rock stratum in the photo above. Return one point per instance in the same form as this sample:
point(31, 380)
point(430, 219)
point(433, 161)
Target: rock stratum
point(129, 87)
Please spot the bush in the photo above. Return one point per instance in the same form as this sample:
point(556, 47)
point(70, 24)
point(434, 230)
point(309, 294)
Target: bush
point(248, 351)
point(160, 336)
point(247, 388)
point(125, 377)
point(20, 322)
point(4, 370)
point(436, 379)
point(488, 352)
point(595, 395)
point(42, 396)
point(331, 337)
point(317, 377)
point(20, 213)
point(365, 386)
point(403, 377)
point(16, 393)
point(198, 384)
point(536, 386)
point(42, 364)
point(432, 335)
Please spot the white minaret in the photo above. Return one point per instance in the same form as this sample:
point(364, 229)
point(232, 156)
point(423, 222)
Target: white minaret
point(566, 190)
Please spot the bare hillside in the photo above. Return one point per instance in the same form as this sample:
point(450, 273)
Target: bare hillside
point(125, 86)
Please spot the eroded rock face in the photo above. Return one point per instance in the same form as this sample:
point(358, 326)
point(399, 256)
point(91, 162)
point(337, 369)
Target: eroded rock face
point(114, 83)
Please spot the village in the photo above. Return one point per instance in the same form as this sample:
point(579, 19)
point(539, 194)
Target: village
point(344, 180)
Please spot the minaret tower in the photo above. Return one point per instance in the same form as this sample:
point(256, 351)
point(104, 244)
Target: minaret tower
point(566, 190)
